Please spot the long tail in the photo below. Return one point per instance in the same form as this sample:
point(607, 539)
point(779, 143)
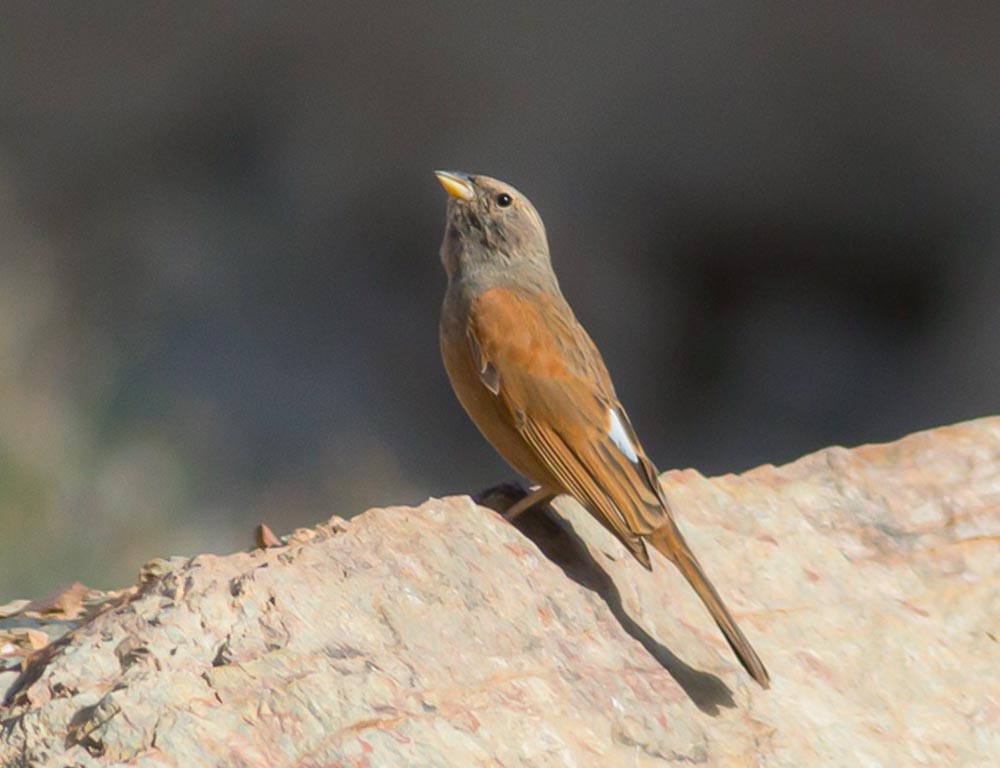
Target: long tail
point(670, 542)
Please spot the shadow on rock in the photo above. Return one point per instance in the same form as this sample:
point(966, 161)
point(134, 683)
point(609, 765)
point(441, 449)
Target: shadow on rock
point(557, 539)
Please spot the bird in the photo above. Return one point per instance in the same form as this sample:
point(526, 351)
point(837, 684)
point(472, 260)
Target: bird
point(532, 380)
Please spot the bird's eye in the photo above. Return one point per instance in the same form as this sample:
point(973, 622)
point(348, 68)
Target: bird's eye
point(503, 200)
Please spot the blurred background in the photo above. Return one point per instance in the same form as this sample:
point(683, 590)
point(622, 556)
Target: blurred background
point(219, 280)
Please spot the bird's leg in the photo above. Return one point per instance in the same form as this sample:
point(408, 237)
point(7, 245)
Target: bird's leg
point(538, 497)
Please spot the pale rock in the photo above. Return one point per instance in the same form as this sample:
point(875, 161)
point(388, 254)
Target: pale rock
point(867, 579)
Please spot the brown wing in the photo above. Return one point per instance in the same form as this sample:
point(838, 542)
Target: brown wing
point(557, 389)
point(552, 380)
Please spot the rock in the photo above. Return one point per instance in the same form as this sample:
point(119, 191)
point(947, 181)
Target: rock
point(868, 580)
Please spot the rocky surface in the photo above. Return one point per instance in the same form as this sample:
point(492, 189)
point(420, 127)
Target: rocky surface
point(868, 580)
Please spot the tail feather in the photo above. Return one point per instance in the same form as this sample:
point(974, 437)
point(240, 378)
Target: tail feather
point(670, 542)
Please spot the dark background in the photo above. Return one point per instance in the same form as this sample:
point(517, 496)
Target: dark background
point(219, 281)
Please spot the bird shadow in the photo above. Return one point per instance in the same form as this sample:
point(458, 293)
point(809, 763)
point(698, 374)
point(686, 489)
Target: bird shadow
point(557, 539)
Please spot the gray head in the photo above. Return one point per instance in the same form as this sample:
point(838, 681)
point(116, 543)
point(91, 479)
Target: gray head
point(492, 229)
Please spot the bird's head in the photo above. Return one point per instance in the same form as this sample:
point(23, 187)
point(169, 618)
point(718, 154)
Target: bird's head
point(491, 226)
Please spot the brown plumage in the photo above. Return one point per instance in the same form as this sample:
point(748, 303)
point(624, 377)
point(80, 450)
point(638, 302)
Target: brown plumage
point(532, 380)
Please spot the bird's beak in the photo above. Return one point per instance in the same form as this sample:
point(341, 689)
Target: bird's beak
point(458, 185)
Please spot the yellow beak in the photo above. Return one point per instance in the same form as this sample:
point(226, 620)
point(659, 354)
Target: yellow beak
point(458, 185)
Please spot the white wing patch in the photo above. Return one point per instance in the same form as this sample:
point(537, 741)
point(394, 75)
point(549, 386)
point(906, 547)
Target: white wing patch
point(618, 435)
